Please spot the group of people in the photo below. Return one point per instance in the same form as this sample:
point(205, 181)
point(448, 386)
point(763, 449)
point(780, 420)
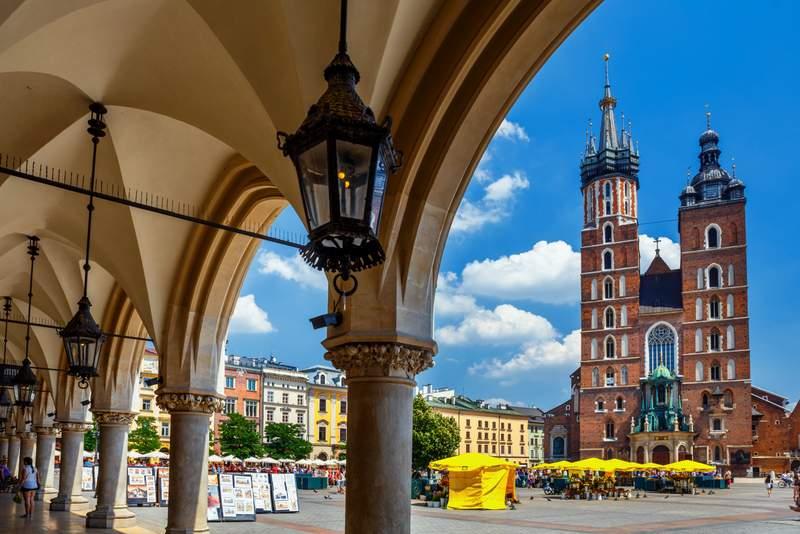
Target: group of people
point(26, 484)
point(789, 478)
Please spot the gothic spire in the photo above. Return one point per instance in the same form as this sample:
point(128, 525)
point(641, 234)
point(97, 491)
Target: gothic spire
point(608, 128)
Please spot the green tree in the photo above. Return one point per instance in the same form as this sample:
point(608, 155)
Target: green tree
point(90, 438)
point(240, 437)
point(144, 438)
point(433, 437)
point(285, 440)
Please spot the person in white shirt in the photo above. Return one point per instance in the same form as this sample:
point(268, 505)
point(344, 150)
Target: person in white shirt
point(29, 477)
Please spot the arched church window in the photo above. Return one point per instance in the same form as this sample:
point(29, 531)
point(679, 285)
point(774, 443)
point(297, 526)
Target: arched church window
point(730, 306)
point(731, 370)
point(717, 454)
point(610, 430)
point(622, 286)
point(607, 198)
point(730, 338)
point(608, 260)
point(698, 340)
point(705, 401)
point(594, 349)
point(712, 236)
point(627, 201)
point(610, 347)
point(700, 278)
point(714, 308)
point(589, 204)
point(594, 318)
point(608, 288)
point(714, 340)
point(608, 233)
point(716, 374)
point(623, 316)
point(600, 405)
point(624, 348)
point(698, 309)
point(594, 290)
point(609, 316)
point(619, 404)
point(727, 399)
point(623, 375)
point(714, 278)
point(698, 371)
point(610, 377)
point(661, 347)
point(595, 377)
point(558, 447)
point(730, 274)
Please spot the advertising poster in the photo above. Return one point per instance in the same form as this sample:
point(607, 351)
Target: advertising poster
point(163, 485)
point(214, 512)
point(150, 482)
point(227, 497)
point(262, 493)
point(137, 485)
point(243, 497)
point(87, 479)
point(284, 493)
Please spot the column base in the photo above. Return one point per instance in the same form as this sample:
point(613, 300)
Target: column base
point(185, 531)
point(114, 518)
point(41, 494)
point(61, 504)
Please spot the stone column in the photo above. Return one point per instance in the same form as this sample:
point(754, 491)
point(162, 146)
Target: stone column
point(45, 448)
point(69, 484)
point(112, 506)
point(188, 468)
point(13, 454)
point(3, 448)
point(380, 389)
point(27, 446)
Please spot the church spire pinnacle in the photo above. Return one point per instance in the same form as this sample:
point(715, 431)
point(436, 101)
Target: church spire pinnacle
point(608, 128)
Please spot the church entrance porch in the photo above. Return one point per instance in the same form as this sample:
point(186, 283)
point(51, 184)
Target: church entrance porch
point(660, 447)
point(661, 454)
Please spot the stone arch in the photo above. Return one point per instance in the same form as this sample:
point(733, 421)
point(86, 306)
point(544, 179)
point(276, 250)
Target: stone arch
point(661, 454)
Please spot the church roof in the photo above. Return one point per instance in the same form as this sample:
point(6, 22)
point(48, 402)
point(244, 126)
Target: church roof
point(658, 266)
point(660, 286)
point(661, 372)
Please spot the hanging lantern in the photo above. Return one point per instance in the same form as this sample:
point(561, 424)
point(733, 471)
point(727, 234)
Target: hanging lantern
point(342, 157)
point(25, 385)
point(82, 337)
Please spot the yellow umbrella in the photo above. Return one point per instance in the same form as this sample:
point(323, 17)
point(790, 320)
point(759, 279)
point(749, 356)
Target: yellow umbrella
point(615, 464)
point(688, 466)
point(561, 464)
point(468, 462)
point(543, 465)
point(589, 464)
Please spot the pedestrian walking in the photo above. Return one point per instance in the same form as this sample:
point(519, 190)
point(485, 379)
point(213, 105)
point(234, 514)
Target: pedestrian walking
point(768, 484)
point(29, 485)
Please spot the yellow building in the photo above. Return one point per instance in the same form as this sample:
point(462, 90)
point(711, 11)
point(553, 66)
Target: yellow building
point(499, 432)
point(327, 411)
point(146, 398)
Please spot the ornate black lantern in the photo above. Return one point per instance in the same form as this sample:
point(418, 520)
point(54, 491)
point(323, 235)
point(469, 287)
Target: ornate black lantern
point(83, 339)
point(343, 158)
point(25, 385)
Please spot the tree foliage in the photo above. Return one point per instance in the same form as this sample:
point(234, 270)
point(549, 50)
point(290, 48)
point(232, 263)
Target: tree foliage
point(90, 438)
point(240, 437)
point(144, 438)
point(286, 440)
point(434, 436)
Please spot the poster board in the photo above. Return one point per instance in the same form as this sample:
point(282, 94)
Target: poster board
point(227, 497)
point(141, 486)
point(87, 478)
point(162, 474)
point(284, 493)
point(262, 492)
point(243, 497)
point(214, 511)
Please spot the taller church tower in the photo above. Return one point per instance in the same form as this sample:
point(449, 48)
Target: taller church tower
point(610, 358)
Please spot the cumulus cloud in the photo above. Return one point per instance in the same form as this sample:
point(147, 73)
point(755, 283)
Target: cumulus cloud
point(553, 352)
point(505, 324)
point(482, 174)
point(512, 130)
point(549, 272)
point(249, 318)
point(291, 268)
point(670, 251)
point(493, 206)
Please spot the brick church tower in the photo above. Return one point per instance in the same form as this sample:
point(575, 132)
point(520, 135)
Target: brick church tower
point(665, 362)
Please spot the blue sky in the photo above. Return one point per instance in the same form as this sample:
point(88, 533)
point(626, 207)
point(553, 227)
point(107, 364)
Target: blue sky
point(508, 290)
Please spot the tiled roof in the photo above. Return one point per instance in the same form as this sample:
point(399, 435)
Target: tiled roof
point(661, 289)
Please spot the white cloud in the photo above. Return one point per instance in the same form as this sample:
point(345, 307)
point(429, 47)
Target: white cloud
point(482, 174)
point(549, 273)
point(494, 206)
point(552, 352)
point(670, 251)
point(512, 130)
point(248, 318)
point(506, 324)
point(292, 268)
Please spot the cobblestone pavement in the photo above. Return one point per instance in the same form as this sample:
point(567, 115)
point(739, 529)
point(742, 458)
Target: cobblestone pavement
point(743, 509)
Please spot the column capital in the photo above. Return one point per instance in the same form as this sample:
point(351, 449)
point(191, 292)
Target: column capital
point(380, 358)
point(73, 426)
point(46, 430)
point(176, 402)
point(114, 418)
point(26, 435)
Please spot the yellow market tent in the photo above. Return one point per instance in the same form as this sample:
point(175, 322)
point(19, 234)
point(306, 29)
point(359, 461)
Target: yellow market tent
point(478, 481)
point(688, 466)
point(589, 464)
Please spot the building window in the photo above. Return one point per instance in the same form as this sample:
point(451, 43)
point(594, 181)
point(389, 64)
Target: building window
point(700, 278)
point(610, 379)
point(322, 379)
point(230, 382)
point(714, 308)
point(623, 316)
point(624, 352)
point(608, 260)
point(623, 375)
point(323, 405)
point(661, 347)
point(705, 401)
point(270, 416)
point(601, 405)
point(594, 290)
point(589, 205)
point(730, 306)
point(718, 454)
point(146, 406)
point(343, 407)
point(607, 198)
point(285, 398)
point(712, 236)
point(594, 349)
point(698, 309)
point(494, 449)
point(322, 433)
point(716, 425)
point(608, 233)
point(301, 400)
point(251, 408)
point(164, 429)
point(608, 288)
point(730, 274)
point(620, 404)
point(285, 416)
point(713, 277)
point(698, 340)
point(610, 347)
point(251, 384)
point(727, 399)
point(731, 370)
point(610, 430)
point(730, 338)
point(626, 206)
point(230, 406)
point(713, 340)
point(595, 377)
point(558, 447)
point(466, 447)
point(698, 371)
point(301, 418)
point(594, 319)
point(715, 371)
point(622, 286)
point(609, 317)
point(270, 396)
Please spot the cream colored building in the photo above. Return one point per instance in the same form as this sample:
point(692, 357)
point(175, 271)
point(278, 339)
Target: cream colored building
point(327, 421)
point(285, 394)
point(145, 397)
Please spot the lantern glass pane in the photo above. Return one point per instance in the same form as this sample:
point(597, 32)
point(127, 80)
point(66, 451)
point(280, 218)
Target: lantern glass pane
point(314, 176)
point(377, 195)
point(352, 173)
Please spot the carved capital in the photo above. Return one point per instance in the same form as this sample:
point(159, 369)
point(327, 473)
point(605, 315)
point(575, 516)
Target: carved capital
point(73, 426)
point(46, 430)
point(27, 435)
point(114, 418)
point(189, 402)
point(387, 358)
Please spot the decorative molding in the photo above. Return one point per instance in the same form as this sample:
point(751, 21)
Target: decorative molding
point(114, 418)
point(72, 426)
point(189, 402)
point(26, 435)
point(46, 430)
point(385, 356)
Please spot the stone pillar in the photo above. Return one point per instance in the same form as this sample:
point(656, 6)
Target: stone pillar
point(188, 469)
point(69, 484)
point(3, 448)
point(13, 454)
point(27, 446)
point(45, 449)
point(380, 389)
point(112, 506)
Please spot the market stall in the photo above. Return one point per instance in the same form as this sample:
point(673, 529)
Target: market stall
point(478, 481)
